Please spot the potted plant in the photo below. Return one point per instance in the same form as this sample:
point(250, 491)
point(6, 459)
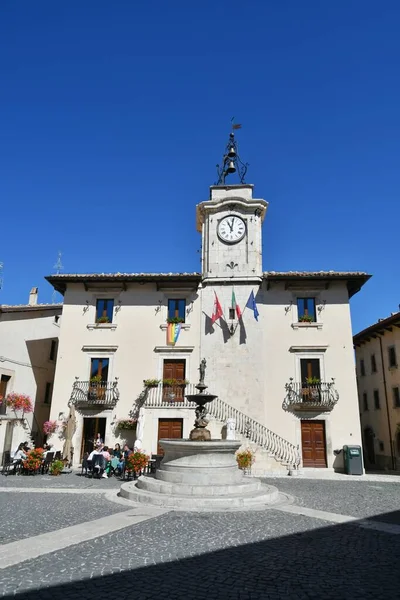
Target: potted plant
point(306, 319)
point(19, 402)
point(33, 460)
point(245, 459)
point(96, 391)
point(103, 319)
point(126, 424)
point(56, 467)
point(49, 427)
point(312, 389)
point(175, 320)
point(151, 383)
point(137, 462)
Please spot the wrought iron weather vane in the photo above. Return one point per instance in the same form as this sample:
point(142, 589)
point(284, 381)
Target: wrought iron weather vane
point(231, 161)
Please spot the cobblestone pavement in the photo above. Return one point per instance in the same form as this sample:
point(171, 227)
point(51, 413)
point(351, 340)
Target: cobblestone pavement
point(253, 556)
point(213, 556)
point(357, 499)
point(25, 515)
point(71, 480)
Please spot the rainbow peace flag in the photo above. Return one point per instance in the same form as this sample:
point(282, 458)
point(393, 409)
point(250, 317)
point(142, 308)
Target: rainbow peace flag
point(173, 331)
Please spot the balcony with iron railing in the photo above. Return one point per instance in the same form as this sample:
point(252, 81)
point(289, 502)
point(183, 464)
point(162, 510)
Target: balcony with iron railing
point(97, 395)
point(310, 397)
point(173, 396)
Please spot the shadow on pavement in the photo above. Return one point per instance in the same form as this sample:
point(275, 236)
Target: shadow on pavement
point(341, 562)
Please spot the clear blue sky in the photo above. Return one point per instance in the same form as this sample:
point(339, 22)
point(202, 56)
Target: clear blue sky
point(114, 114)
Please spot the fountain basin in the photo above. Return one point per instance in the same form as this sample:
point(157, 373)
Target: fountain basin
point(200, 476)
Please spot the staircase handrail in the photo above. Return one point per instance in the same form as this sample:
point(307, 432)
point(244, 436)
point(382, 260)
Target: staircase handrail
point(281, 449)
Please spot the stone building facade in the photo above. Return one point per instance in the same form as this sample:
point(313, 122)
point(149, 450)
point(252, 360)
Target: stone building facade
point(28, 354)
point(377, 351)
point(286, 377)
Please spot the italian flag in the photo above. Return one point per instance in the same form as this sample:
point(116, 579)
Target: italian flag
point(235, 305)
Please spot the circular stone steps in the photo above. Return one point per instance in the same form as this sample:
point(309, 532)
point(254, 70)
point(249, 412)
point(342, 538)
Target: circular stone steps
point(183, 489)
point(264, 495)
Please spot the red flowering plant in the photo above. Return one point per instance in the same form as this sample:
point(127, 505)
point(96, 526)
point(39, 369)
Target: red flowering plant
point(137, 461)
point(19, 402)
point(49, 427)
point(33, 460)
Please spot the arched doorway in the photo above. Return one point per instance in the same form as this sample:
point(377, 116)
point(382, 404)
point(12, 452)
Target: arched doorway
point(369, 445)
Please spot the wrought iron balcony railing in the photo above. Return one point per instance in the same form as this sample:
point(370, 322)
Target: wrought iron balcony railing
point(317, 397)
point(170, 395)
point(95, 394)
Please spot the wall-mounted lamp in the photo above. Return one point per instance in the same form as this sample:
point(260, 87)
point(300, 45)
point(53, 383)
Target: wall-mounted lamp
point(287, 308)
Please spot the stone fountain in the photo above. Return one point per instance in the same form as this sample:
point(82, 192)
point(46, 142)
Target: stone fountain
point(200, 473)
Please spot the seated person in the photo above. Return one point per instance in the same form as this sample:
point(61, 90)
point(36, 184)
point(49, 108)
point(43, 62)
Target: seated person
point(107, 458)
point(126, 452)
point(19, 455)
point(117, 451)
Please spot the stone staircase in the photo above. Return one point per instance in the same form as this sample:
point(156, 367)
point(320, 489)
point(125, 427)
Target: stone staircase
point(273, 453)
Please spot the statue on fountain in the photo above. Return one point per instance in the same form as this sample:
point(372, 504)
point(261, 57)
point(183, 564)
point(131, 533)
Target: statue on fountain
point(202, 369)
point(200, 433)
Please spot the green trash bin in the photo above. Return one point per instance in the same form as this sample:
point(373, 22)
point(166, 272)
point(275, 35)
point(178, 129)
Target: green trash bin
point(353, 460)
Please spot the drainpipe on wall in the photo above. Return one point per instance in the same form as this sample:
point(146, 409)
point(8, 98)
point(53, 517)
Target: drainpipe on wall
point(387, 407)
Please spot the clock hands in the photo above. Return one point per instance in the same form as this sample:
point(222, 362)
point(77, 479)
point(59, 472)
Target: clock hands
point(231, 224)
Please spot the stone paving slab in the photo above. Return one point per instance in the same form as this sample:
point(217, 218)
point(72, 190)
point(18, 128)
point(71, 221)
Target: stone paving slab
point(254, 556)
point(71, 481)
point(359, 500)
point(24, 515)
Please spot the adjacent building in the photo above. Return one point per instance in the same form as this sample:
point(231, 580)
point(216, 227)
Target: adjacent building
point(28, 354)
point(377, 350)
point(278, 347)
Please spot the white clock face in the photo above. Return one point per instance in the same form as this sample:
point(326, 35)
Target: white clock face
point(231, 229)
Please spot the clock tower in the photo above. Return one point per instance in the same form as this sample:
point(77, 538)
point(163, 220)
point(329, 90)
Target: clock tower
point(230, 223)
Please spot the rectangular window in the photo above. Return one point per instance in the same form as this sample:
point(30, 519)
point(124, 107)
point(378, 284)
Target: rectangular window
point(104, 310)
point(392, 357)
point(47, 394)
point(99, 368)
point(373, 363)
point(365, 401)
point(53, 350)
point(177, 309)
point(3, 392)
point(381, 446)
point(396, 397)
point(306, 310)
point(310, 370)
point(377, 402)
point(232, 314)
point(362, 367)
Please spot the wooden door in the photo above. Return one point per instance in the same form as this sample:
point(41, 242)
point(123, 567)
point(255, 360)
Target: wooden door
point(313, 443)
point(169, 429)
point(174, 370)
